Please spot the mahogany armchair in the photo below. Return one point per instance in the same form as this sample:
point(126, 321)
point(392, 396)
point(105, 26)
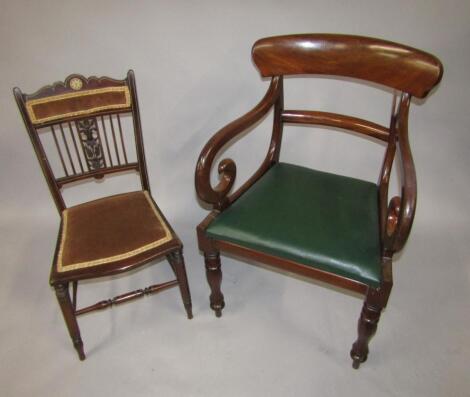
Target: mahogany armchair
point(81, 124)
point(328, 227)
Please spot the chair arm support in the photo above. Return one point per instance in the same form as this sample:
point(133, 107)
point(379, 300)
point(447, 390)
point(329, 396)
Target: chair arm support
point(401, 210)
point(217, 196)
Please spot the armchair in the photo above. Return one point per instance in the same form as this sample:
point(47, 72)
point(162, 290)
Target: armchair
point(339, 230)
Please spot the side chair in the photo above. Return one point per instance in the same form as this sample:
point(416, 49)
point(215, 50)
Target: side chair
point(336, 229)
point(80, 130)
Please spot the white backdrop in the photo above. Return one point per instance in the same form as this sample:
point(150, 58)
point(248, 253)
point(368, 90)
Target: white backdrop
point(194, 74)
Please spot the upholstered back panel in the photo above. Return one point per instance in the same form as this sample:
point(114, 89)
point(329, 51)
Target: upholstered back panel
point(77, 96)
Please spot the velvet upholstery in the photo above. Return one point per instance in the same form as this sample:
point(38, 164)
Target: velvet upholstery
point(78, 103)
point(110, 229)
point(315, 218)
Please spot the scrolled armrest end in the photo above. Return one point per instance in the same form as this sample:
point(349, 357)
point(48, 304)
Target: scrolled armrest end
point(217, 196)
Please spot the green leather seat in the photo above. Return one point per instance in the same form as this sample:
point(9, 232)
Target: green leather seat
point(318, 219)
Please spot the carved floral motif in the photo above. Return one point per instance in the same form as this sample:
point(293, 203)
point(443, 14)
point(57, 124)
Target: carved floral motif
point(91, 144)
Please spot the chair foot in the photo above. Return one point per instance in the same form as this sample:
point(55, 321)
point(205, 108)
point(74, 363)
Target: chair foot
point(356, 363)
point(214, 278)
point(79, 348)
point(366, 329)
point(189, 311)
point(176, 261)
point(63, 297)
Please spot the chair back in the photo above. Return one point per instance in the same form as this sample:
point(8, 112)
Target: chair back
point(410, 71)
point(86, 122)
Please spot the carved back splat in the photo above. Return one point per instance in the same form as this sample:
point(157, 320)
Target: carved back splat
point(91, 144)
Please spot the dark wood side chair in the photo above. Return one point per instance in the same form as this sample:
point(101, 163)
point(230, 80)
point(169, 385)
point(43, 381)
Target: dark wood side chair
point(84, 121)
point(328, 227)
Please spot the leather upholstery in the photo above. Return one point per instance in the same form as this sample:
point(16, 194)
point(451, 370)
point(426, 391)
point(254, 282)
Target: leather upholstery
point(110, 229)
point(322, 220)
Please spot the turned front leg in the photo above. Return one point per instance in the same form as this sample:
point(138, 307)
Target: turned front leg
point(68, 311)
point(367, 326)
point(214, 278)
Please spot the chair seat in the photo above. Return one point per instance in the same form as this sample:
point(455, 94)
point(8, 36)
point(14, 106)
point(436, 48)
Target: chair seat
point(318, 219)
point(110, 230)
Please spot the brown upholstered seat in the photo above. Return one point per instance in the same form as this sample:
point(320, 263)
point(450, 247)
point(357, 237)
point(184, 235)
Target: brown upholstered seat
point(109, 230)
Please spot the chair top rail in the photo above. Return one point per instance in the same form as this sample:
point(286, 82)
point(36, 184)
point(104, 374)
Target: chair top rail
point(77, 96)
point(383, 62)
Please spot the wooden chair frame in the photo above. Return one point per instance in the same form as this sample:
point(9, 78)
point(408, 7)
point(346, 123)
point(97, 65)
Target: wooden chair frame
point(90, 102)
point(402, 68)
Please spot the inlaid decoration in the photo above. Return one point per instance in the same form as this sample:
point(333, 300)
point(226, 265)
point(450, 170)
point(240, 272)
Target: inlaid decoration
point(91, 144)
point(76, 84)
